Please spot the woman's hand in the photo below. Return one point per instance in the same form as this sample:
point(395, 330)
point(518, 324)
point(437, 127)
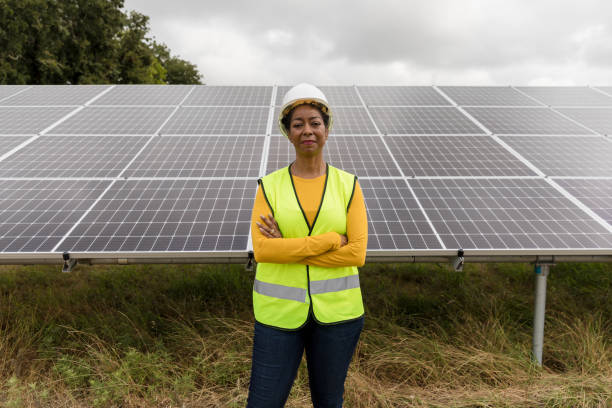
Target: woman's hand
point(343, 240)
point(269, 228)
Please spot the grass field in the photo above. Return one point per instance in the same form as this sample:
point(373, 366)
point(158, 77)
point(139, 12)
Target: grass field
point(180, 336)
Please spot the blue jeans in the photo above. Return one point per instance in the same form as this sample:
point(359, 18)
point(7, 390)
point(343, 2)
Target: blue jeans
point(277, 355)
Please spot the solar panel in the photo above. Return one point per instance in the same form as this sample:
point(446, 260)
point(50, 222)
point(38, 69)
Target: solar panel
point(364, 156)
point(595, 194)
point(454, 156)
point(179, 178)
point(7, 91)
point(577, 156)
point(598, 119)
point(72, 156)
point(217, 120)
point(525, 121)
point(55, 95)
point(167, 215)
point(567, 95)
point(336, 95)
point(395, 220)
point(487, 96)
point(144, 95)
point(347, 121)
point(199, 156)
point(36, 214)
point(125, 120)
point(401, 96)
point(416, 120)
point(8, 143)
point(507, 214)
point(29, 121)
point(229, 96)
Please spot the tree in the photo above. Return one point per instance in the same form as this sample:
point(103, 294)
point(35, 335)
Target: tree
point(136, 59)
point(178, 71)
point(83, 41)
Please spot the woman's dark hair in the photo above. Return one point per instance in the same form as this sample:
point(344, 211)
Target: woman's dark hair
point(287, 118)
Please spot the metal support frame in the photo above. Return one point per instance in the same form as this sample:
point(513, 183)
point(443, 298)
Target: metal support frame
point(69, 263)
point(249, 266)
point(459, 261)
point(542, 270)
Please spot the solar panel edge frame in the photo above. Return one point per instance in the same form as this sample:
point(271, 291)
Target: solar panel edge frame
point(241, 256)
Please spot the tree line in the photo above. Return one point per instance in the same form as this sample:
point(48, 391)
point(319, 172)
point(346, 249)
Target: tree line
point(83, 42)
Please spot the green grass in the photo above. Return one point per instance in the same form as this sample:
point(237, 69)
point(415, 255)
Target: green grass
point(180, 335)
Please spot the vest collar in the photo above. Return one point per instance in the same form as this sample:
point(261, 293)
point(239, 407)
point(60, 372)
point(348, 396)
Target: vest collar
point(310, 227)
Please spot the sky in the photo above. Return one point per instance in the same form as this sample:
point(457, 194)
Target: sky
point(388, 42)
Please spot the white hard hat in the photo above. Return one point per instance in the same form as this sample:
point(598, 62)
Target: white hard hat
point(301, 94)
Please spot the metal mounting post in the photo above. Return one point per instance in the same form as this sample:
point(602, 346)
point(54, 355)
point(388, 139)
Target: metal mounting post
point(69, 263)
point(541, 273)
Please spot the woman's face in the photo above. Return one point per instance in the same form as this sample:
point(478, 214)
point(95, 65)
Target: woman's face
point(307, 131)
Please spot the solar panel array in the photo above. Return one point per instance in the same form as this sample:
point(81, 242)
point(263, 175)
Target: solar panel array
point(137, 170)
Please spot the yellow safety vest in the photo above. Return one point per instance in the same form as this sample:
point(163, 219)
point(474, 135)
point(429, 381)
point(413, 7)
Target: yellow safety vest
point(285, 294)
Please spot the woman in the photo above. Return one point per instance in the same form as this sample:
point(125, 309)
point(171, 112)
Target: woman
point(309, 230)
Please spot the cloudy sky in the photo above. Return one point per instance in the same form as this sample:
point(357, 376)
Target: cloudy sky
point(442, 42)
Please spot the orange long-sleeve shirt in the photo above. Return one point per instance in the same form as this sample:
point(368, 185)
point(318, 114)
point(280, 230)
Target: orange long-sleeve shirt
point(320, 250)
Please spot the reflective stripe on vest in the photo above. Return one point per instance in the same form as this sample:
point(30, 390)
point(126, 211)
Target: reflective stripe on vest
point(280, 291)
point(334, 285)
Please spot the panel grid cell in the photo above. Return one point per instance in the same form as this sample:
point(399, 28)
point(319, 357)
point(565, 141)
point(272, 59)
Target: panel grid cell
point(29, 121)
point(36, 214)
point(401, 96)
point(217, 120)
point(416, 120)
point(167, 215)
point(229, 96)
point(144, 95)
point(336, 95)
point(364, 156)
point(346, 121)
point(8, 90)
point(124, 120)
point(487, 96)
point(72, 156)
point(595, 194)
point(394, 218)
point(507, 214)
point(56, 95)
point(567, 95)
point(199, 156)
point(525, 121)
point(8, 143)
point(454, 156)
point(598, 119)
point(576, 156)
point(606, 89)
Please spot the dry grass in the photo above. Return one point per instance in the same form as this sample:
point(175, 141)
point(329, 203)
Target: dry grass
point(181, 337)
